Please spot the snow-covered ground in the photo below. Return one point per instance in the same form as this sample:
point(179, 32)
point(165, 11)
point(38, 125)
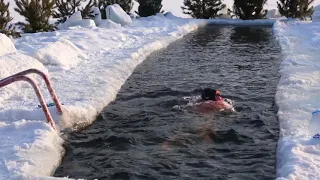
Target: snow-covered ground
point(298, 96)
point(87, 67)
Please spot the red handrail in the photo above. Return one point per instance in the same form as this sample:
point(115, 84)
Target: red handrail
point(14, 78)
point(49, 86)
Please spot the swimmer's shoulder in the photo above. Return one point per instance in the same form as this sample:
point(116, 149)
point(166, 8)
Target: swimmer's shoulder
point(217, 105)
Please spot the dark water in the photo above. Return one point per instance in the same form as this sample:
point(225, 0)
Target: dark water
point(130, 138)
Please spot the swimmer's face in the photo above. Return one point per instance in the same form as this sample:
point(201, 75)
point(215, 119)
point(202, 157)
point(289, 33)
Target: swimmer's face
point(218, 96)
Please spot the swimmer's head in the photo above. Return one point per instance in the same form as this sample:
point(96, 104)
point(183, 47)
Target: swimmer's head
point(210, 94)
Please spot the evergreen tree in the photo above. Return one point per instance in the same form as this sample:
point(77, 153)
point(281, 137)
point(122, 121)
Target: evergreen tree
point(149, 7)
point(295, 8)
point(126, 5)
point(36, 13)
point(86, 10)
point(204, 9)
point(65, 8)
point(5, 17)
point(249, 9)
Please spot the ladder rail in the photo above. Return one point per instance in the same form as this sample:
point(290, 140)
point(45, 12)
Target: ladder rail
point(48, 84)
point(14, 78)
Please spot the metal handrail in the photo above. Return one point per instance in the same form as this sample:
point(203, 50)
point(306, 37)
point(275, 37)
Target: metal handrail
point(46, 79)
point(45, 109)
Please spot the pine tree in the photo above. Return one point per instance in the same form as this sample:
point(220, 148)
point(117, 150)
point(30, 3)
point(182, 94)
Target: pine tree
point(36, 13)
point(295, 8)
point(149, 7)
point(204, 9)
point(249, 9)
point(126, 5)
point(5, 17)
point(86, 10)
point(65, 8)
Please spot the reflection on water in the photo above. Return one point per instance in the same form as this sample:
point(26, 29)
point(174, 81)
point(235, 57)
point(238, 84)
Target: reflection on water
point(253, 35)
point(142, 136)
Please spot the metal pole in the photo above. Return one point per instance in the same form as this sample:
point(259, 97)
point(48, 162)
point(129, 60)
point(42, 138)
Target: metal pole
point(46, 80)
point(45, 109)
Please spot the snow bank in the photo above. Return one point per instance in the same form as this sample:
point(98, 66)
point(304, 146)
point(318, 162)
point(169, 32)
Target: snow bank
point(109, 24)
point(316, 14)
point(224, 13)
point(170, 15)
point(6, 45)
point(273, 13)
point(76, 16)
point(116, 14)
point(25, 145)
point(76, 20)
point(62, 53)
point(11, 64)
point(316, 8)
point(260, 22)
point(297, 97)
point(28, 148)
point(15, 62)
point(86, 23)
point(95, 15)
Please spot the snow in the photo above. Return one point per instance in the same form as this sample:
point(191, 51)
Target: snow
point(96, 15)
point(116, 14)
point(87, 67)
point(115, 18)
point(224, 12)
point(316, 14)
point(6, 45)
point(29, 139)
point(261, 22)
point(76, 20)
point(314, 125)
point(273, 13)
point(68, 57)
point(297, 97)
point(11, 64)
point(109, 24)
point(316, 8)
point(76, 16)
point(79, 23)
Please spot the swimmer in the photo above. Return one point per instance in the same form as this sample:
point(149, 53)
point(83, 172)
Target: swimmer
point(211, 100)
